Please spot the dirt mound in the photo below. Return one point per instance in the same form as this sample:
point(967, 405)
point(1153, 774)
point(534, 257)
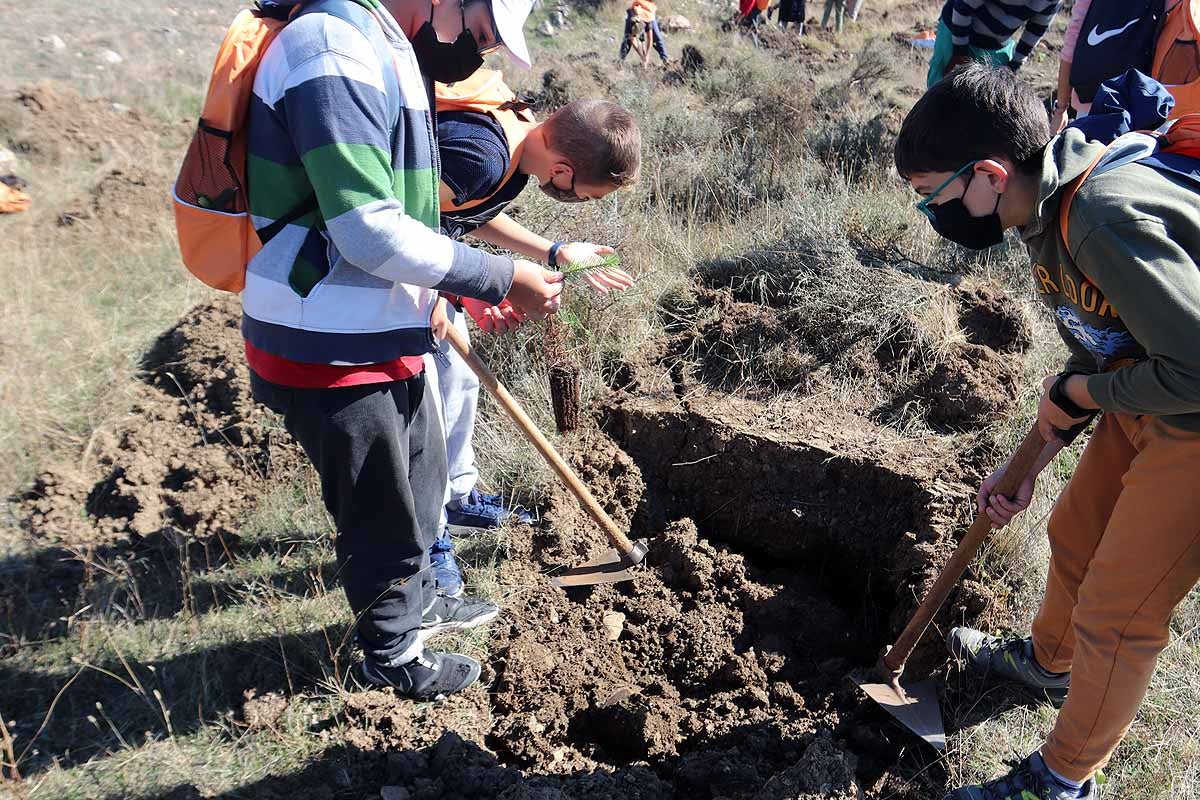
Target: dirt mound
point(163, 490)
point(756, 334)
point(48, 123)
point(184, 459)
point(124, 197)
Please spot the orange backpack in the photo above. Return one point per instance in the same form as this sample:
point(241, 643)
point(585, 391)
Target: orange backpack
point(216, 235)
point(1181, 139)
point(1177, 56)
point(486, 92)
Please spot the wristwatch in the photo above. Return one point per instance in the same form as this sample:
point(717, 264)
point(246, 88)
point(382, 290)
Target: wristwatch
point(1058, 396)
point(552, 258)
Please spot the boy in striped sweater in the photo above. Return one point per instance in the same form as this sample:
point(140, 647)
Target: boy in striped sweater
point(982, 30)
point(337, 304)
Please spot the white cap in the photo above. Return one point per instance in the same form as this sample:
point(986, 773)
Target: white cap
point(510, 16)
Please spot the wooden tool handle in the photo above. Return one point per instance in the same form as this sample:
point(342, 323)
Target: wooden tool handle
point(535, 437)
point(1014, 474)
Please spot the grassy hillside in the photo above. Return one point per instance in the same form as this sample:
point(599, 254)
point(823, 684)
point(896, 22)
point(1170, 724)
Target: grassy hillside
point(170, 620)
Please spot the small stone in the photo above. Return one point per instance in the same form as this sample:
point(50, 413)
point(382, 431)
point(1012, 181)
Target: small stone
point(53, 42)
point(393, 793)
point(7, 157)
point(121, 108)
point(614, 623)
point(547, 28)
point(111, 57)
point(559, 19)
point(678, 22)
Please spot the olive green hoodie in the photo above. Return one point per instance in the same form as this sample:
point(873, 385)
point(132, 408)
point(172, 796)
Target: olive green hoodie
point(1132, 290)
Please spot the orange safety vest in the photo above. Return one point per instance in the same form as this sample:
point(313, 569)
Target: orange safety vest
point(486, 92)
point(1177, 56)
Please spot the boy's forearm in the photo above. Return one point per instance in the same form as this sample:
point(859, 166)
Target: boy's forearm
point(506, 232)
point(353, 184)
point(1063, 99)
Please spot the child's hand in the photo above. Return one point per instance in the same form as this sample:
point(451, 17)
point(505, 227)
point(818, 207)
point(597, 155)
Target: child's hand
point(493, 319)
point(601, 279)
point(535, 291)
point(439, 321)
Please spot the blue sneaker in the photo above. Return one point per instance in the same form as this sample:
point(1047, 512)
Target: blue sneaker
point(1029, 779)
point(479, 510)
point(447, 576)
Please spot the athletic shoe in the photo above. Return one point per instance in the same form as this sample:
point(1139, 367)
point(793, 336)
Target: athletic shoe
point(1009, 657)
point(429, 676)
point(479, 510)
point(1028, 780)
point(447, 575)
point(456, 614)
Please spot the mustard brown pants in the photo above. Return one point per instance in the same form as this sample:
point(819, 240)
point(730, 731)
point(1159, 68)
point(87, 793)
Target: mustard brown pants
point(1124, 552)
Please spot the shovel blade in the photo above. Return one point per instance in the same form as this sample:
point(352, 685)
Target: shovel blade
point(919, 711)
point(608, 567)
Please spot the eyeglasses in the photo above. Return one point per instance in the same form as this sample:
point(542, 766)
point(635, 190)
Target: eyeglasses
point(923, 206)
point(496, 43)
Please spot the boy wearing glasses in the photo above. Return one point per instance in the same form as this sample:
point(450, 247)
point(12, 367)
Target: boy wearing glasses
point(1119, 273)
point(342, 166)
point(490, 147)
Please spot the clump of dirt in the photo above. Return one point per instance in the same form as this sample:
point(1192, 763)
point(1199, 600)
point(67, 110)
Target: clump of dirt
point(824, 771)
point(262, 712)
point(379, 720)
point(724, 673)
point(131, 196)
point(990, 318)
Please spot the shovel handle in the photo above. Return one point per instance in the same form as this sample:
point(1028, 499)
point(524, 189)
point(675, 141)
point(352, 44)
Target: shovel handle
point(1016, 472)
point(513, 409)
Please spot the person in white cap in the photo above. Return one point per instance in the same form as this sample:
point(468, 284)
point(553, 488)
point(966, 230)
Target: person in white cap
point(343, 186)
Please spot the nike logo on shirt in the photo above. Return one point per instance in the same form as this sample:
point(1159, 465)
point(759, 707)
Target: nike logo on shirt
point(1095, 37)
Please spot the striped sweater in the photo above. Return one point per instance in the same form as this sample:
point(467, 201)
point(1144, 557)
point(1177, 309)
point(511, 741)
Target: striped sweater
point(341, 111)
point(989, 24)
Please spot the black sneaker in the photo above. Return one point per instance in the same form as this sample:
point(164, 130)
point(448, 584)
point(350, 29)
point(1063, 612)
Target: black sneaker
point(456, 614)
point(1010, 657)
point(1029, 779)
point(429, 676)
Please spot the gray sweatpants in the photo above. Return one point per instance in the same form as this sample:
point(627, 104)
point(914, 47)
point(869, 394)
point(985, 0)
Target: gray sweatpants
point(381, 457)
point(456, 390)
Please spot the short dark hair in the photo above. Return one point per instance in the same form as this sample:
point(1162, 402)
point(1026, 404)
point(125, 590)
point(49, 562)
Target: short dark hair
point(975, 112)
point(601, 139)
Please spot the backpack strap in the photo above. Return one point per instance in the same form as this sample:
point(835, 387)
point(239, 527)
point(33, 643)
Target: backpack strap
point(1126, 149)
point(1068, 197)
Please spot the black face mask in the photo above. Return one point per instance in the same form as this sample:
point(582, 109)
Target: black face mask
point(953, 221)
point(447, 62)
point(562, 195)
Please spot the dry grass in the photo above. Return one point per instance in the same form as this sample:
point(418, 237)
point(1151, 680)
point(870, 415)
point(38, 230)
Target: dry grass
point(772, 171)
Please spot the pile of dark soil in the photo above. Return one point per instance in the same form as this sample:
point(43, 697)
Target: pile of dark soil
point(167, 487)
point(787, 544)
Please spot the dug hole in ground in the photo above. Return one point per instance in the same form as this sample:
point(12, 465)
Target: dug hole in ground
point(790, 539)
